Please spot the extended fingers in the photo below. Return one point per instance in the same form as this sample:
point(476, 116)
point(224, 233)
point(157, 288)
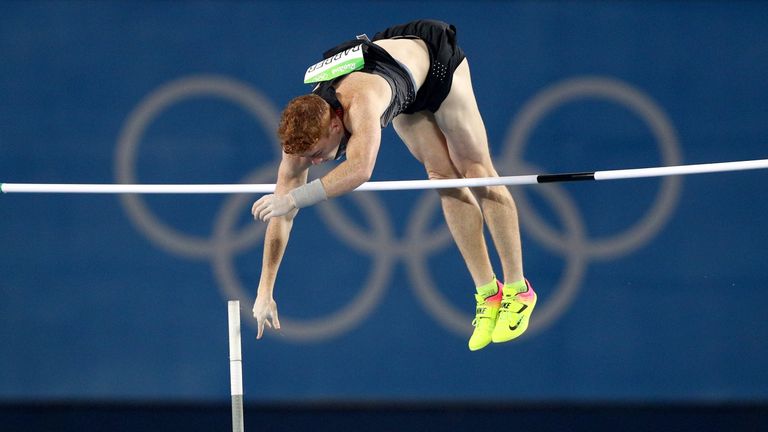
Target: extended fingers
point(264, 322)
point(260, 331)
point(269, 320)
point(275, 320)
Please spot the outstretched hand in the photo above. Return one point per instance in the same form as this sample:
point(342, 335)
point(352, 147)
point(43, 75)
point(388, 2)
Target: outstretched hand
point(265, 312)
point(272, 205)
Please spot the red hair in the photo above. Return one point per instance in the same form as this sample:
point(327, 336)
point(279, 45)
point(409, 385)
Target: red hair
point(304, 121)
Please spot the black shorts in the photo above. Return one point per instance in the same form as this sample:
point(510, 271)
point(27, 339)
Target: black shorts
point(444, 57)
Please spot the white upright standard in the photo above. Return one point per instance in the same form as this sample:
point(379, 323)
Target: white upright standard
point(235, 366)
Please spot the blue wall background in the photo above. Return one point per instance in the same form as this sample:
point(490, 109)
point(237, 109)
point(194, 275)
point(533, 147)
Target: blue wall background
point(650, 290)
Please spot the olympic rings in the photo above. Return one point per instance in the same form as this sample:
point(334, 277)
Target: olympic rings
point(138, 121)
point(418, 244)
point(662, 129)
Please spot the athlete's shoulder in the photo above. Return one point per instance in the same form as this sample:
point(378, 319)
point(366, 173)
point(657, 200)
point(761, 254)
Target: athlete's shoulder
point(363, 92)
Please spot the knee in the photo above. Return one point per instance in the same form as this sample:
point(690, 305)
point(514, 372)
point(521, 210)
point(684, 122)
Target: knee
point(492, 193)
point(441, 174)
point(477, 170)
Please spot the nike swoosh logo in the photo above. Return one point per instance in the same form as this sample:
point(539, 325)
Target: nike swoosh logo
point(514, 327)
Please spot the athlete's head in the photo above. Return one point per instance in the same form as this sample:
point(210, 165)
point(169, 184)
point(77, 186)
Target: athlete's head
point(310, 128)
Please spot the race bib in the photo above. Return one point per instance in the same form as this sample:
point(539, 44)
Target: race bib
point(347, 61)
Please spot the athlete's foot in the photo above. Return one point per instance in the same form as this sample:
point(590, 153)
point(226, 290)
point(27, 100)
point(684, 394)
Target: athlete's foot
point(488, 301)
point(515, 312)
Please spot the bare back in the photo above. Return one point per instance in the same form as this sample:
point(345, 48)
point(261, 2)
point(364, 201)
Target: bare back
point(412, 53)
point(374, 89)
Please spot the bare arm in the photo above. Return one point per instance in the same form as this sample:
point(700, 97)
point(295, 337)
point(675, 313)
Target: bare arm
point(363, 147)
point(291, 174)
point(363, 110)
point(362, 119)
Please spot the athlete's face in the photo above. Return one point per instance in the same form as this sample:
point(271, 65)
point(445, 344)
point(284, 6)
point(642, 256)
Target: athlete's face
point(326, 148)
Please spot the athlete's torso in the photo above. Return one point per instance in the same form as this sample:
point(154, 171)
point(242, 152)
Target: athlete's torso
point(412, 53)
point(394, 70)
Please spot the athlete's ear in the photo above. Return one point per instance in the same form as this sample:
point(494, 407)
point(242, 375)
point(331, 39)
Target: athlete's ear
point(336, 126)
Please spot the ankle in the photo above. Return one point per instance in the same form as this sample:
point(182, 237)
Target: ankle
point(489, 289)
point(516, 287)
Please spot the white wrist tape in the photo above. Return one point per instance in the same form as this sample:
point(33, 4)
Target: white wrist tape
point(309, 194)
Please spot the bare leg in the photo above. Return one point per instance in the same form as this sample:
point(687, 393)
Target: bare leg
point(462, 212)
point(460, 122)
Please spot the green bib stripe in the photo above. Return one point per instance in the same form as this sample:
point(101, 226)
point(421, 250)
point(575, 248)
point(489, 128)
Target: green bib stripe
point(343, 63)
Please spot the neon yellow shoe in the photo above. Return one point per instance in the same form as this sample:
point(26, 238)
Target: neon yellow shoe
point(515, 312)
point(488, 299)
